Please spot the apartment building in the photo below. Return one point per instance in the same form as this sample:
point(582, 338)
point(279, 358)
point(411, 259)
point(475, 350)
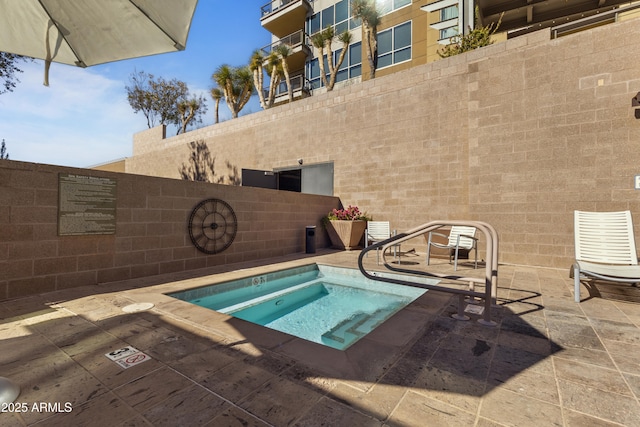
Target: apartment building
point(406, 37)
point(411, 31)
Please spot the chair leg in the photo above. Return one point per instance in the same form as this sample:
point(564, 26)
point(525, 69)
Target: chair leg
point(476, 261)
point(455, 260)
point(576, 282)
point(428, 248)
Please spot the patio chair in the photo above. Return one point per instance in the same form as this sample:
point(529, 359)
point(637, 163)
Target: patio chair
point(460, 237)
point(377, 231)
point(605, 248)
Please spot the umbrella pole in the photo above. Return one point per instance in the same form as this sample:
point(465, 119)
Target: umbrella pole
point(47, 64)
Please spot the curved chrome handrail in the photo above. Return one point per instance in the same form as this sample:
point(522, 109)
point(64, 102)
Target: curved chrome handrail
point(490, 281)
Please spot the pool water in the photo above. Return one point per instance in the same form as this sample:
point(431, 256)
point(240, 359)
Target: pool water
point(332, 306)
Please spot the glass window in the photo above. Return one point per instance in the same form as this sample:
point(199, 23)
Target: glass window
point(385, 41)
point(448, 32)
point(355, 71)
point(402, 36)
point(314, 69)
point(342, 11)
point(449, 13)
point(342, 75)
point(350, 67)
point(354, 23)
point(342, 16)
point(327, 17)
point(394, 45)
point(386, 6)
point(402, 55)
point(313, 24)
point(397, 4)
point(355, 54)
point(385, 60)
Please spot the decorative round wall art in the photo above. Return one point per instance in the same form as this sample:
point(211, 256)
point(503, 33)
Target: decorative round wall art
point(212, 226)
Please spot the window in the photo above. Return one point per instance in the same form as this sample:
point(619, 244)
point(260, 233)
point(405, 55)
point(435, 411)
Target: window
point(342, 16)
point(327, 17)
point(386, 6)
point(351, 66)
point(447, 13)
point(447, 33)
point(338, 16)
point(313, 24)
point(394, 45)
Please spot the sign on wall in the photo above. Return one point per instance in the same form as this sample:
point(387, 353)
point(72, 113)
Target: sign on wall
point(87, 205)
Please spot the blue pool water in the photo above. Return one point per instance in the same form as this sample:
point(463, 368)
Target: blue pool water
point(328, 305)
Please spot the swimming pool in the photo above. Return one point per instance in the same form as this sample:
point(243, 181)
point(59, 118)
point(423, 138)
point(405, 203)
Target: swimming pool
point(328, 305)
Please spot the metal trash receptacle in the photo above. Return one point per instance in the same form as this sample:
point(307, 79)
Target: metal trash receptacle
point(310, 240)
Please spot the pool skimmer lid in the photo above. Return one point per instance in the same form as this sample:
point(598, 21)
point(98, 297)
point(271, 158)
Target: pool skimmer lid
point(137, 307)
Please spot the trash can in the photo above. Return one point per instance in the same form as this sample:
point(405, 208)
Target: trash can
point(310, 239)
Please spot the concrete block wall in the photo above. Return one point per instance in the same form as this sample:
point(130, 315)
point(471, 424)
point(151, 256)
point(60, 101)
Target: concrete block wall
point(518, 134)
point(151, 229)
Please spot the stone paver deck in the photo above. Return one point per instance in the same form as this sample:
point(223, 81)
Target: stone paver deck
point(548, 362)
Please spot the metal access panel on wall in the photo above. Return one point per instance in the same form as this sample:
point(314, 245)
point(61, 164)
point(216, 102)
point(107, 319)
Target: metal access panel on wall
point(318, 179)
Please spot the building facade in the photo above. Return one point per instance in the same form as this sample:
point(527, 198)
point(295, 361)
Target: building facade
point(411, 32)
point(517, 134)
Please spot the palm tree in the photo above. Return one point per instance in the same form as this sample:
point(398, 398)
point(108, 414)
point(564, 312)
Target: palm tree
point(323, 40)
point(236, 84)
point(216, 95)
point(274, 69)
point(256, 65)
point(187, 110)
point(272, 64)
point(366, 12)
point(283, 51)
point(3, 151)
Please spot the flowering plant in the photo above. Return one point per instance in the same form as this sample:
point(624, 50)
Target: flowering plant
point(352, 213)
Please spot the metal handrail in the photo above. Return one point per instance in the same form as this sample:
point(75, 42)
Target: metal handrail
point(490, 281)
point(293, 40)
point(298, 83)
point(610, 15)
point(269, 8)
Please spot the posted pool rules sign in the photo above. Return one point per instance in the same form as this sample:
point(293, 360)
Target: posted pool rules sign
point(127, 357)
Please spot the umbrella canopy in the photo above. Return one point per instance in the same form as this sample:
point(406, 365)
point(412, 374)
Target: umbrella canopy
point(90, 32)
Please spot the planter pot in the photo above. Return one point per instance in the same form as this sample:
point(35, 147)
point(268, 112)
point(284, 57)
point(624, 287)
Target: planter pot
point(346, 234)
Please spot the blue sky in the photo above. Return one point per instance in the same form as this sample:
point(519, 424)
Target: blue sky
point(83, 117)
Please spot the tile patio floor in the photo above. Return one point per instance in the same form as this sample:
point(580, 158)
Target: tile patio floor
point(549, 362)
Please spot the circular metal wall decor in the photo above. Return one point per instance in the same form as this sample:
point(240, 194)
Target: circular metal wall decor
point(212, 226)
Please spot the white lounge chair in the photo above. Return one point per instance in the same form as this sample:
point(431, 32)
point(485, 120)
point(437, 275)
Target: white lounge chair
point(605, 248)
point(377, 231)
point(460, 237)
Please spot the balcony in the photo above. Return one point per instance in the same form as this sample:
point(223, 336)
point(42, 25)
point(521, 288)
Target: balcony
point(282, 17)
point(300, 46)
point(300, 86)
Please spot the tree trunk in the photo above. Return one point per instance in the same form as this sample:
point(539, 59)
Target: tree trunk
point(287, 78)
point(371, 47)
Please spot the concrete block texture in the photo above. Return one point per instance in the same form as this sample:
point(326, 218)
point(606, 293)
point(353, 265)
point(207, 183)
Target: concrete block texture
point(151, 234)
point(518, 134)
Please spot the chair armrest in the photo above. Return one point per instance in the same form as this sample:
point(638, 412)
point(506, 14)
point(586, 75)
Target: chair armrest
point(438, 234)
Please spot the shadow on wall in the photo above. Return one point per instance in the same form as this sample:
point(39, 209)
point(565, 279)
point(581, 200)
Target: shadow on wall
point(201, 167)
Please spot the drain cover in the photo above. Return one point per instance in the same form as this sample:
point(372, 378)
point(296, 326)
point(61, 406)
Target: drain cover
point(134, 308)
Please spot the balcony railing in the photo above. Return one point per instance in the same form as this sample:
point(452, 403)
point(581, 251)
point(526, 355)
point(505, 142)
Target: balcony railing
point(274, 6)
point(300, 86)
point(294, 41)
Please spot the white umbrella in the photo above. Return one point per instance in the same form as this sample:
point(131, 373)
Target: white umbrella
point(90, 32)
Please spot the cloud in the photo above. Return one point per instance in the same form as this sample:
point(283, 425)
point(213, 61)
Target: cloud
point(81, 119)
